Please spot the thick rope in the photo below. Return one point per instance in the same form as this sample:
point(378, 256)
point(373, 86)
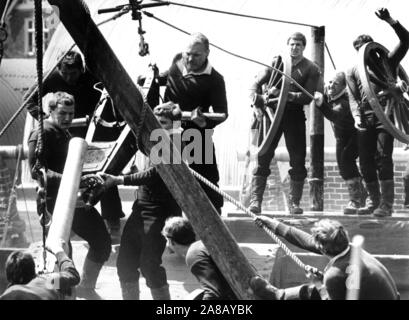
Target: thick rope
point(307, 268)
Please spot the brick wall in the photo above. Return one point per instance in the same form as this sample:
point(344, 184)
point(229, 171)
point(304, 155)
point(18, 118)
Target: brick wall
point(335, 190)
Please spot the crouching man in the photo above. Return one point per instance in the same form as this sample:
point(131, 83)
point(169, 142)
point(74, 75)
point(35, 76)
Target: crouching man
point(181, 239)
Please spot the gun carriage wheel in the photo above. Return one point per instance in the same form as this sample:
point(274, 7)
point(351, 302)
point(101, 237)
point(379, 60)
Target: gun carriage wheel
point(274, 109)
point(386, 89)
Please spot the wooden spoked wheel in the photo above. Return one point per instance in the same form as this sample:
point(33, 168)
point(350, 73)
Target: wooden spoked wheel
point(386, 89)
point(274, 109)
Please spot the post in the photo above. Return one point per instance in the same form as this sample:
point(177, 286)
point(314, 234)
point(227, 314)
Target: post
point(67, 193)
point(104, 64)
point(317, 127)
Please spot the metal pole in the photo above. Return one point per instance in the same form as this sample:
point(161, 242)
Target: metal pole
point(317, 127)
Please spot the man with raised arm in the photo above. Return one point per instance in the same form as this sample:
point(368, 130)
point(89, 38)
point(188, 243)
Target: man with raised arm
point(375, 143)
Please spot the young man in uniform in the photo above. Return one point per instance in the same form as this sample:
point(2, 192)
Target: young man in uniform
point(292, 125)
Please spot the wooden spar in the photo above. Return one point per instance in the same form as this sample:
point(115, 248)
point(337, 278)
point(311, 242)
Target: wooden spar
point(353, 283)
point(67, 193)
point(102, 61)
point(317, 127)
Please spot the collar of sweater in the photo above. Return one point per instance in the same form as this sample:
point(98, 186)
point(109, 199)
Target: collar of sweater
point(339, 95)
point(207, 70)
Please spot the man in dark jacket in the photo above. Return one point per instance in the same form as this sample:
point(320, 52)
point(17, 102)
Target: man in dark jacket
point(195, 85)
point(142, 243)
point(87, 222)
point(25, 284)
point(72, 77)
point(375, 143)
point(292, 125)
point(335, 107)
point(328, 238)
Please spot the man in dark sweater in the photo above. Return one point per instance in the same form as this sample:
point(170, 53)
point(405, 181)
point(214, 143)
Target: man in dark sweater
point(72, 77)
point(193, 83)
point(142, 243)
point(181, 239)
point(24, 284)
point(375, 143)
point(87, 222)
point(328, 238)
point(292, 125)
point(334, 105)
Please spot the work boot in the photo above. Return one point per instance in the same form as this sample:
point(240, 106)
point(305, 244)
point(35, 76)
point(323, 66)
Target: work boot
point(354, 190)
point(372, 202)
point(364, 193)
point(387, 198)
point(264, 290)
point(130, 290)
point(258, 185)
point(161, 293)
point(296, 189)
point(406, 188)
point(90, 273)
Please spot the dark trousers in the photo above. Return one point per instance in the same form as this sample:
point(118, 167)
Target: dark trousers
point(375, 154)
point(142, 243)
point(89, 225)
point(293, 128)
point(347, 153)
point(111, 206)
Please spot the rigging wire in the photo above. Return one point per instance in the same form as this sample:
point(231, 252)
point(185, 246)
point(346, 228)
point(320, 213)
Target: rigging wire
point(237, 14)
point(250, 17)
point(235, 54)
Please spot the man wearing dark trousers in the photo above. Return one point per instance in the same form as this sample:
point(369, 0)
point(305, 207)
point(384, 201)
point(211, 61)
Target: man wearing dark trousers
point(87, 222)
point(375, 144)
point(142, 244)
point(72, 77)
point(335, 107)
point(307, 74)
point(195, 85)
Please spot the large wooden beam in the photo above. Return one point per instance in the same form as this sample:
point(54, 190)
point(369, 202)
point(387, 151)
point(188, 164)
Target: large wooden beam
point(317, 127)
point(102, 61)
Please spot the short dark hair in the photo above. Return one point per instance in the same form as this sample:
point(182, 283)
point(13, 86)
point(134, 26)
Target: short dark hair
point(330, 236)
point(62, 98)
point(179, 230)
point(72, 60)
point(361, 40)
point(20, 268)
point(298, 36)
